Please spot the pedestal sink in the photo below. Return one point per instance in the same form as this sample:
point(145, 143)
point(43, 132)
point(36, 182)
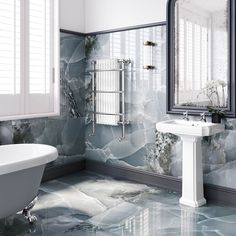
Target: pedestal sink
point(191, 133)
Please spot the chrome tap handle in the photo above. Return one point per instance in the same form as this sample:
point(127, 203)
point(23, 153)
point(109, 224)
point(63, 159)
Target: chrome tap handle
point(203, 117)
point(185, 114)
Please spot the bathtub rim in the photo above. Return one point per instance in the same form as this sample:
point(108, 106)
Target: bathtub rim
point(50, 154)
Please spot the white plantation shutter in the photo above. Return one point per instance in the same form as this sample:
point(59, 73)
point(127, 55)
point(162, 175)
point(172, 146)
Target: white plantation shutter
point(40, 87)
point(10, 27)
point(9, 47)
point(28, 58)
point(39, 46)
point(193, 50)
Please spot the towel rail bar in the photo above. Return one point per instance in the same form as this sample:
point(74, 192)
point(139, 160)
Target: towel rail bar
point(102, 91)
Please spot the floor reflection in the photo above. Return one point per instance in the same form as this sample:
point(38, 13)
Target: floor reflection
point(189, 221)
point(91, 205)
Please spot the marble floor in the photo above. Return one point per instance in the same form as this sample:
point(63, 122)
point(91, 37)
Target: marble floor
point(88, 204)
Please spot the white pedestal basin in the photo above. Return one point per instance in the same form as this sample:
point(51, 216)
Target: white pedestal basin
point(191, 133)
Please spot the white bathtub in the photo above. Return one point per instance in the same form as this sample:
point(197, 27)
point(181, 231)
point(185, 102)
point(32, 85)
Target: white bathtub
point(21, 171)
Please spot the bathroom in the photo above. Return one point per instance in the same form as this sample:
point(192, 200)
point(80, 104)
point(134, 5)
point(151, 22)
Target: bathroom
point(123, 174)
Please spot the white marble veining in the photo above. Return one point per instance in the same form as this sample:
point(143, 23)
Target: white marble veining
point(90, 205)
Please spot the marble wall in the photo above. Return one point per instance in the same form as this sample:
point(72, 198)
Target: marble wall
point(144, 148)
point(66, 132)
point(145, 97)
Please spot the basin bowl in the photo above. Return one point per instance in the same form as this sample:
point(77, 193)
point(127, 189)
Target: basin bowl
point(189, 128)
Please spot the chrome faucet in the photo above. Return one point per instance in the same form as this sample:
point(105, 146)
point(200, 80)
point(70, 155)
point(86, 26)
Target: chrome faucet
point(203, 117)
point(185, 114)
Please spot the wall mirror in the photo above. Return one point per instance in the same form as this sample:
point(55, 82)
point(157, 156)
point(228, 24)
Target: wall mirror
point(201, 55)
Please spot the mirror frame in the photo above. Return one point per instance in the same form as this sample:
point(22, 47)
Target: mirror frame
point(171, 108)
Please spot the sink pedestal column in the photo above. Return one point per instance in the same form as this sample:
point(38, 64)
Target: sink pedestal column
point(192, 173)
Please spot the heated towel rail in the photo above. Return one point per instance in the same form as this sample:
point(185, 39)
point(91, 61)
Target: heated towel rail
point(98, 90)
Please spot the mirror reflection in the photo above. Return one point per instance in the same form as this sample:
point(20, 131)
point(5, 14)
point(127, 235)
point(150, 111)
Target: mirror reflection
point(201, 53)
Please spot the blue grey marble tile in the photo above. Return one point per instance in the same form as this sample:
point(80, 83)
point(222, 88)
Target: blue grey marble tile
point(89, 204)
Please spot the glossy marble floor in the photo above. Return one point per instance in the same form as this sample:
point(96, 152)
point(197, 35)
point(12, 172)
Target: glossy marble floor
point(88, 204)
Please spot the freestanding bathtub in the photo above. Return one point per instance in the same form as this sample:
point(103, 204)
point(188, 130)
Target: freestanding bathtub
point(21, 171)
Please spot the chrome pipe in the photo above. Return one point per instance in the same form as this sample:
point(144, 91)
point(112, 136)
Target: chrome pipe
point(101, 91)
point(123, 99)
point(104, 113)
point(92, 71)
point(93, 98)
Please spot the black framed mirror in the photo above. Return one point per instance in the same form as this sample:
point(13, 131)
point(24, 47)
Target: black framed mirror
point(201, 56)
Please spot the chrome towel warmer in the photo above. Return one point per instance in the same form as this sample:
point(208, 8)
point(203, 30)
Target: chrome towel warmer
point(122, 121)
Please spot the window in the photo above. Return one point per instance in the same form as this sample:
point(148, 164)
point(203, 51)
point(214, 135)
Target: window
point(115, 45)
point(29, 42)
